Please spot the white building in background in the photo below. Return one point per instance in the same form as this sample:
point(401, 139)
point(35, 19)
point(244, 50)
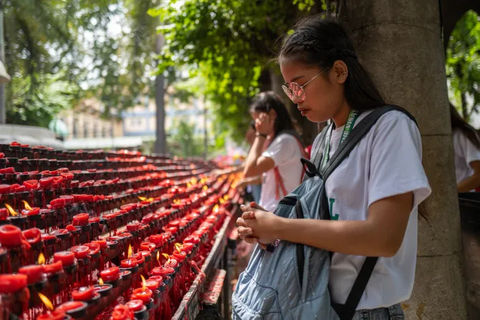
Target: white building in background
point(88, 130)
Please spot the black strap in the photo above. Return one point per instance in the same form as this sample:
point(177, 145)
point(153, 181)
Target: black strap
point(347, 311)
point(356, 135)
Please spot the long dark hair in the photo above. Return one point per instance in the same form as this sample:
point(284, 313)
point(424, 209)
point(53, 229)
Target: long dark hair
point(320, 42)
point(457, 122)
point(268, 100)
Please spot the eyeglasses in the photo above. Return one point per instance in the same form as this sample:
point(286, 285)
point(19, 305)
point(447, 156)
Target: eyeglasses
point(296, 92)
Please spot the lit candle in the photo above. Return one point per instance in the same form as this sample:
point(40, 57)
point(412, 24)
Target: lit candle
point(129, 263)
point(143, 294)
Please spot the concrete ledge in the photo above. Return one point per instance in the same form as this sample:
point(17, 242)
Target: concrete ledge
point(29, 135)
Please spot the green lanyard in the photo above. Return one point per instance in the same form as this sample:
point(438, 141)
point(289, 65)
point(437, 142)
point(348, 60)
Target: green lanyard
point(352, 117)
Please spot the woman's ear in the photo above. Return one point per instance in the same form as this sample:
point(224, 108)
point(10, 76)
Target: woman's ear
point(340, 70)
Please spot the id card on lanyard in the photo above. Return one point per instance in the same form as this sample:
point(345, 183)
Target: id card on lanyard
point(352, 117)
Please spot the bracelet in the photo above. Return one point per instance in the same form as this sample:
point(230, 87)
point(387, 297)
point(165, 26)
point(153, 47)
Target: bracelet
point(258, 134)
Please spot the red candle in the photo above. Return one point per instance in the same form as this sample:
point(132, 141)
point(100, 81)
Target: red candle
point(157, 239)
point(102, 243)
point(152, 284)
point(162, 271)
point(139, 257)
point(103, 289)
point(32, 235)
point(135, 305)
point(80, 219)
point(157, 278)
point(143, 294)
point(35, 211)
point(80, 252)
point(10, 235)
point(72, 306)
point(148, 246)
point(66, 257)
point(173, 263)
point(122, 312)
point(52, 315)
point(3, 213)
point(10, 283)
point(53, 267)
point(110, 274)
point(179, 256)
point(133, 226)
point(84, 294)
point(94, 248)
point(128, 263)
point(33, 272)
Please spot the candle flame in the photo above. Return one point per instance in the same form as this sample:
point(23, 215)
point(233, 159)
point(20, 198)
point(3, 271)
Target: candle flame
point(226, 197)
point(178, 246)
point(166, 256)
point(41, 258)
point(145, 199)
point(194, 180)
point(215, 209)
point(205, 188)
point(158, 257)
point(27, 206)
point(144, 283)
point(13, 213)
point(100, 281)
point(45, 301)
point(130, 251)
point(176, 201)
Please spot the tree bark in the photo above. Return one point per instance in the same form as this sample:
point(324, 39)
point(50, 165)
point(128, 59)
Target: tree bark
point(399, 42)
point(160, 141)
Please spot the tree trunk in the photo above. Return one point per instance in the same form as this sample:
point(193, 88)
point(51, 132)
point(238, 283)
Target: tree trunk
point(399, 42)
point(160, 141)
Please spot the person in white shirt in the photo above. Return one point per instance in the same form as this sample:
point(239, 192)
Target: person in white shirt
point(373, 194)
point(466, 147)
point(276, 151)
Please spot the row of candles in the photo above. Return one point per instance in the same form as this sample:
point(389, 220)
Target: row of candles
point(178, 196)
point(177, 273)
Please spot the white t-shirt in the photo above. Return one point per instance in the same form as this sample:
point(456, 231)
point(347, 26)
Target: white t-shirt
point(285, 152)
point(464, 153)
point(386, 162)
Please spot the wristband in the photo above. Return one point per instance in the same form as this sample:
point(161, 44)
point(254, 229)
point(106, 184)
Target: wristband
point(258, 134)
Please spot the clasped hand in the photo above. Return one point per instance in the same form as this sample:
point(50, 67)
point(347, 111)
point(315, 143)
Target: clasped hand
point(257, 225)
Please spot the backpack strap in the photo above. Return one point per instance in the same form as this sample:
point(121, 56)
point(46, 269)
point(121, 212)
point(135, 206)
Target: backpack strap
point(347, 311)
point(356, 135)
point(279, 185)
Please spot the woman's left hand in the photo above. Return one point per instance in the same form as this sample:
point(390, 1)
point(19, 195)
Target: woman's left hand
point(262, 224)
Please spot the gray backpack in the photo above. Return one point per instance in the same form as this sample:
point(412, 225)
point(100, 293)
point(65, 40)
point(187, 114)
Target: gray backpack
point(290, 281)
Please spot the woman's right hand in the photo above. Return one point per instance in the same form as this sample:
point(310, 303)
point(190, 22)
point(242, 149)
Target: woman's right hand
point(264, 123)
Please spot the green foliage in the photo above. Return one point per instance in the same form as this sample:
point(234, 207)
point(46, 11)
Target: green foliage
point(101, 48)
point(184, 143)
point(463, 64)
point(230, 44)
